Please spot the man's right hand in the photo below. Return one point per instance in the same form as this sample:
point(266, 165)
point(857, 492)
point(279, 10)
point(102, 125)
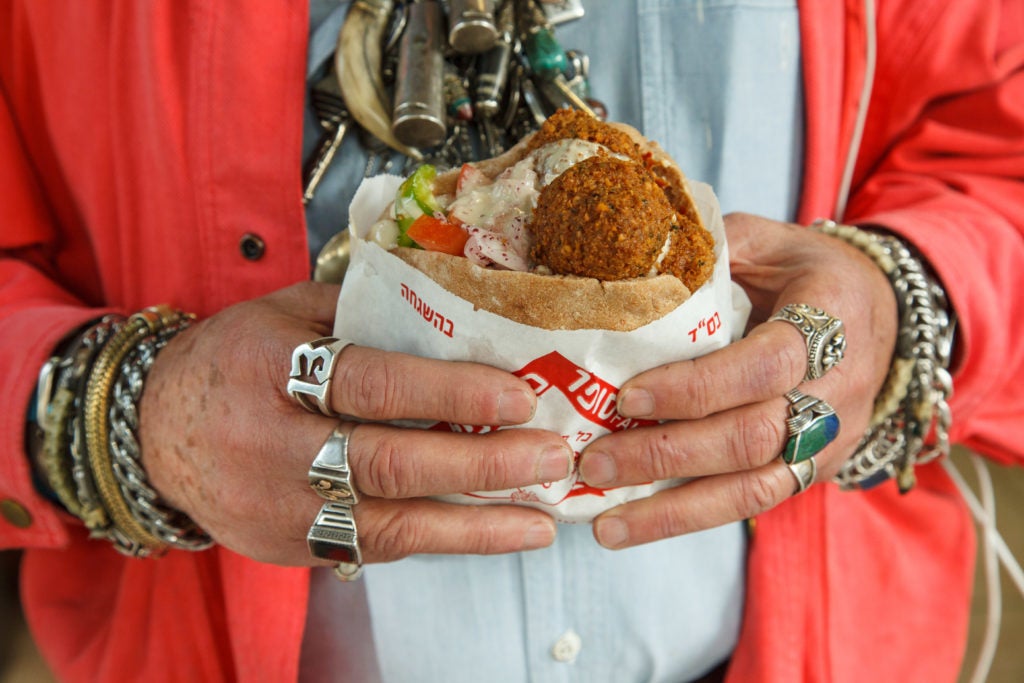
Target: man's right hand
point(223, 441)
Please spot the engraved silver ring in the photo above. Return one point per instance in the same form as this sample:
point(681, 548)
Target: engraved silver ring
point(334, 537)
point(824, 335)
point(330, 475)
point(309, 381)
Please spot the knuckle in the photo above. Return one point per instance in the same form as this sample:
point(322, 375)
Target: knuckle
point(458, 398)
point(369, 389)
point(393, 536)
point(496, 469)
point(757, 439)
point(667, 523)
point(755, 494)
point(387, 473)
point(783, 368)
point(701, 393)
point(664, 457)
point(487, 537)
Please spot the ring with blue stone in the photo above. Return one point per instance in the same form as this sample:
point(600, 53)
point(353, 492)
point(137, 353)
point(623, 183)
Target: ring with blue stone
point(812, 425)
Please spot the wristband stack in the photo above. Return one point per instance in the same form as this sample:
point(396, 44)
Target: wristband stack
point(910, 423)
point(87, 409)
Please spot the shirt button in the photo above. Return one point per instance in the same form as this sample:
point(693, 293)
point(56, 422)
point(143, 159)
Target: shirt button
point(15, 513)
point(252, 246)
point(567, 647)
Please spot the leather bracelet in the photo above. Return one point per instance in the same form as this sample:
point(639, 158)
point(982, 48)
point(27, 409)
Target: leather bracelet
point(56, 406)
point(914, 403)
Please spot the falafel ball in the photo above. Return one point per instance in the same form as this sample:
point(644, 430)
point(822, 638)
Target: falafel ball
point(691, 254)
point(604, 218)
point(574, 124)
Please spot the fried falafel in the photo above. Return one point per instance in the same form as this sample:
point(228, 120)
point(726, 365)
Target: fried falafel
point(605, 218)
point(567, 124)
point(691, 254)
point(587, 234)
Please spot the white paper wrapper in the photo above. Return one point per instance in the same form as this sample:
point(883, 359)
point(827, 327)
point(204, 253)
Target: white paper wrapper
point(387, 304)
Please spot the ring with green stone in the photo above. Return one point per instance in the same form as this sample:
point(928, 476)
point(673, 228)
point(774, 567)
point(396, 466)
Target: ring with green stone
point(812, 424)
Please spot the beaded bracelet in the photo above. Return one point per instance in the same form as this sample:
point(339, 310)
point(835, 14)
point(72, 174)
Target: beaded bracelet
point(913, 403)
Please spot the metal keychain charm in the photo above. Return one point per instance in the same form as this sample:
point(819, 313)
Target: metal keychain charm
point(419, 117)
point(562, 11)
point(472, 26)
point(492, 67)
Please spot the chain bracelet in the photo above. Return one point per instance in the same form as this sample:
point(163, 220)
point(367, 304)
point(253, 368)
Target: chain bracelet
point(170, 526)
point(914, 402)
point(120, 527)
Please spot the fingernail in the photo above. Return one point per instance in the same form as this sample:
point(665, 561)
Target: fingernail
point(611, 532)
point(636, 403)
point(555, 463)
point(516, 406)
point(598, 469)
point(540, 535)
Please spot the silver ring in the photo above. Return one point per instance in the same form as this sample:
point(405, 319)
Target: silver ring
point(825, 336)
point(804, 471)
point(309, 382)
point(812, 425)
point(329, 475)
point(333, 537)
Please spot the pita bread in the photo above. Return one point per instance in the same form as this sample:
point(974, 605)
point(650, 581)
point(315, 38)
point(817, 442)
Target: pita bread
point(557, 302)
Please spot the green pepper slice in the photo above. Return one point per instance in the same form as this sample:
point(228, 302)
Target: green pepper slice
point(415, 198)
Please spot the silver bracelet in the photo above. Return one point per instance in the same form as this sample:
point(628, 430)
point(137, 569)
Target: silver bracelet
point(914, 403)
point(172, 527)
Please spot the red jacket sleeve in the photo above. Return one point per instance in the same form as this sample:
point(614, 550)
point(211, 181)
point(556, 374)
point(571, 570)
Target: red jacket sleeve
point(35, 313)
point(942, 164)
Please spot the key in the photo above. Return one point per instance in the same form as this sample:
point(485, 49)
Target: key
point(334, 118)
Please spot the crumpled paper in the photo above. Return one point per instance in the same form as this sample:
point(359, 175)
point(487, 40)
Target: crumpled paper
point(387, 304)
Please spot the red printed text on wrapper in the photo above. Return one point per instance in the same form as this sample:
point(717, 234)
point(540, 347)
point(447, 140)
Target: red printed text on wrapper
point(441, 323)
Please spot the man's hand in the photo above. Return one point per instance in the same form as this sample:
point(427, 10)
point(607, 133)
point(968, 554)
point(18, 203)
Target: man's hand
point(725, 412)
point(224, 442)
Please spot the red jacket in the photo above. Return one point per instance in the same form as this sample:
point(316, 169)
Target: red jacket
point(140, 142)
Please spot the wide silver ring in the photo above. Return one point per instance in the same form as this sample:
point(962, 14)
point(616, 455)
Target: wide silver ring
point(334, 537)
point(812, 424)
point(825, 336)
point(309, 381)
point(805, 471)
point(329, 475)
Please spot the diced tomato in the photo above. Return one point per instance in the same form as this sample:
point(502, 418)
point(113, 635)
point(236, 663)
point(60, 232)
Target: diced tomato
point(469, 177)
point(434, 234)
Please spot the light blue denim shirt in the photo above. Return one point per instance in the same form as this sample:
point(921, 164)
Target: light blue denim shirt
point(717, 83)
